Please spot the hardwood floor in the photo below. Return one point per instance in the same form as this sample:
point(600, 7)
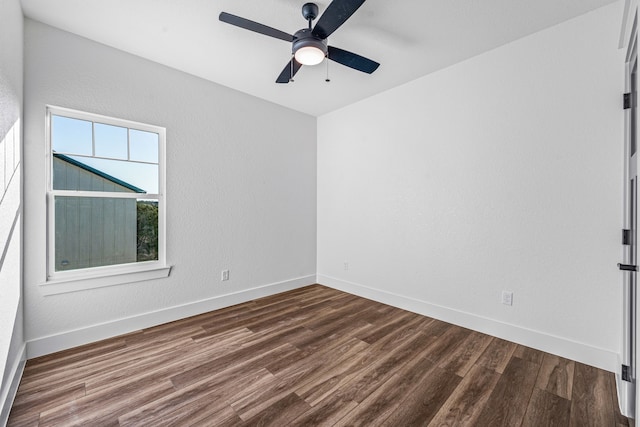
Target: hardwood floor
point(312, 356)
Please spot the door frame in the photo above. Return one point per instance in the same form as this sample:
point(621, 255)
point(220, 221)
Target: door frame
point(628, 397)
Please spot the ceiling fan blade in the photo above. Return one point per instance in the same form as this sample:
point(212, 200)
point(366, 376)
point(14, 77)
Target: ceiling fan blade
point(334, 16)
point(352, 60)
point(289, 71)
point(254, 26)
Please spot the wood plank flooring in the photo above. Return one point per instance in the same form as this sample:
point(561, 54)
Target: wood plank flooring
point(312, 356)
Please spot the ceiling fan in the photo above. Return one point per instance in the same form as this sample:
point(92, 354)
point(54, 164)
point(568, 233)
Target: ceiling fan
point(309, 45)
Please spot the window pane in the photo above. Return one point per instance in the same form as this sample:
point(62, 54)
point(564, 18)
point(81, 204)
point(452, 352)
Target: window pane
point(91, 232)
point(136, 177)
point(94, 232)
point(91, 174)
point(111, 141)
point(71, 136)
point(143, 146)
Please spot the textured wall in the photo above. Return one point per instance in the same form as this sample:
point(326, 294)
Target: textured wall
point(501, 172)
point(11, 54)
point(241, 180)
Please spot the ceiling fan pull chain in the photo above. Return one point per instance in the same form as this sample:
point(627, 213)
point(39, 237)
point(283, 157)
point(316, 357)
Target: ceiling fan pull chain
point(326, 58)
point(291, 68)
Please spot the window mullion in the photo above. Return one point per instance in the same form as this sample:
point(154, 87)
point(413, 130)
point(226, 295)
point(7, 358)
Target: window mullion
point(103, 194)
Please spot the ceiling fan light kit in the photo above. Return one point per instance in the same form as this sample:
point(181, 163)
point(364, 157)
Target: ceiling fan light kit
point(308, 49)
point(309, 45)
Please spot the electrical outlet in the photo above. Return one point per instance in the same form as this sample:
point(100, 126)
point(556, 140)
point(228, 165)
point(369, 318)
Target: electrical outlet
point(224, 275)
point(346, 266)
point(507, 297)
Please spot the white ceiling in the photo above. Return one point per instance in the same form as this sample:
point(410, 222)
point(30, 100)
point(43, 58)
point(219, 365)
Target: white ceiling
point(410, 38)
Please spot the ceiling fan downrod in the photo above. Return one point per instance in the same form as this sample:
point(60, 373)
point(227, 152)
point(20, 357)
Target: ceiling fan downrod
point(310, 12)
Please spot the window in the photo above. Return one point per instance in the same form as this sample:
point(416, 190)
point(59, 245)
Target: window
point(105, 202)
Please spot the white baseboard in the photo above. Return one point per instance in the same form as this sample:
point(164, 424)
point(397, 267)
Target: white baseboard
point(9, 393)
point(626, 397)
point(598, 357)
point(51, 344)
point(580, 352)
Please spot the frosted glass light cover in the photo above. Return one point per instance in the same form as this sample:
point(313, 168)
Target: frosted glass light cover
point(309, 55)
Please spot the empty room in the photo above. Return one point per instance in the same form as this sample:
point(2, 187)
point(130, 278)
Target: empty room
point(341, 213)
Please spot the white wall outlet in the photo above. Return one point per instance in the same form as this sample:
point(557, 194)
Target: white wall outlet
point(507, 297)
point(346, 266)
point(225, 275)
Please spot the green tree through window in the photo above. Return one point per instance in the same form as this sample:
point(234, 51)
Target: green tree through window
point(147, 231)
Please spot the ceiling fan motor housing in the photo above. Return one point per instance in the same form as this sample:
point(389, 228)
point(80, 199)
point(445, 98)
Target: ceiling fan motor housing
point(304, 38)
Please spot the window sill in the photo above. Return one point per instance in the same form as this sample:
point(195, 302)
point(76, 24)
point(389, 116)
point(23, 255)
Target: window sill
point(84, 281)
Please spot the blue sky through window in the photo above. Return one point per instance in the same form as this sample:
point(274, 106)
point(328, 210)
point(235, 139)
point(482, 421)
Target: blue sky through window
point(143, 146)
point(111, 141)
point(71, 136)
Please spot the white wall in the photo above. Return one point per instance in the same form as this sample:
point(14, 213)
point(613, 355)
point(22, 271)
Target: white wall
point(241, 189)
point(501, 172)
point(11, 337)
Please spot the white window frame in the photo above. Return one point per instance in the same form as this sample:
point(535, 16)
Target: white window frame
point(88, 278)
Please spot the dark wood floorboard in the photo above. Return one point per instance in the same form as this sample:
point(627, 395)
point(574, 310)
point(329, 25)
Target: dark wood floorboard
point(510, 397)
point(467, 401)
point(312, 356)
